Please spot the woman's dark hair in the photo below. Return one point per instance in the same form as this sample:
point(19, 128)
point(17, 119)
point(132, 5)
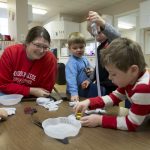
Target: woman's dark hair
point(35, 32)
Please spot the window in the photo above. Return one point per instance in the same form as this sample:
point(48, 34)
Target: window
point(127, 24)
point(4, 26)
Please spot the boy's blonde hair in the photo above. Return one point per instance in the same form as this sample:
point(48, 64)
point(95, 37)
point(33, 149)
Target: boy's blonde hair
point(123, 53)
point(76, 38)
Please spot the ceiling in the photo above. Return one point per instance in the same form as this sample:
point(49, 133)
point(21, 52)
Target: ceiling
point(77, 8)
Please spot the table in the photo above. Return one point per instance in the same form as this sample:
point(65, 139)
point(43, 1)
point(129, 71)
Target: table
point(19, 133)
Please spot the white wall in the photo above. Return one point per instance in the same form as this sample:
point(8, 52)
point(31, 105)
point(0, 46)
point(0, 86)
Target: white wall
point(18, 19)
point(131, 34)
point(33, 24)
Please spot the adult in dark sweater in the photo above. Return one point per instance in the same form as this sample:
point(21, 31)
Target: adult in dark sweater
point(106, 34)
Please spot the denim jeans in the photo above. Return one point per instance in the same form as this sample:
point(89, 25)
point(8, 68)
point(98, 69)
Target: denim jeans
point(127, 104)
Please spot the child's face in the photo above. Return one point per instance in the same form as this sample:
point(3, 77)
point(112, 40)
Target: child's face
point(77, 49)
point(120, 78)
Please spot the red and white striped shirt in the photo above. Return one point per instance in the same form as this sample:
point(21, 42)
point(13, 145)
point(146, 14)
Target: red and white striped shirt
point(139, 96)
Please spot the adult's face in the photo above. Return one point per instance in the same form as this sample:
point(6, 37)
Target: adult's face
point(37, 48)
point(101, 37)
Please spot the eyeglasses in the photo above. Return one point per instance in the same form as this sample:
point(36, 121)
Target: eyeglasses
point(39, 46)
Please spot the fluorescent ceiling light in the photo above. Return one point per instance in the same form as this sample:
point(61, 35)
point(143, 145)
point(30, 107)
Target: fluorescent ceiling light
point(3, 5)
point(124, 25)
point(38, 11)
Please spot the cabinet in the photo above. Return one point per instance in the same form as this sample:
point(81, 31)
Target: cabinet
point(144, 14)
point(63, 60)
point(61, 29)
point(91, 60)
point(4, 44)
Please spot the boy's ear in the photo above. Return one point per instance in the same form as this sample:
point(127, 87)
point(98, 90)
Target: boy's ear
point(134, 69)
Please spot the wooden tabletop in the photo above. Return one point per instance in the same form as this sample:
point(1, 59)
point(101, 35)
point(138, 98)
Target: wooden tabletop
point(19, 133)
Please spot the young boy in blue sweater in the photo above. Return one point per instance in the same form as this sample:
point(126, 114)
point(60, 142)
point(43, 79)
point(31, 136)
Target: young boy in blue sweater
point(75, 69)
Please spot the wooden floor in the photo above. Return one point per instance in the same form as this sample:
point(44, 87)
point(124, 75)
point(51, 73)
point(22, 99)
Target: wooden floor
point(61, 88)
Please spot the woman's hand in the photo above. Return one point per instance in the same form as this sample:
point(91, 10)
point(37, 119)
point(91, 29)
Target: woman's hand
point(39, 92)
point(91, 120)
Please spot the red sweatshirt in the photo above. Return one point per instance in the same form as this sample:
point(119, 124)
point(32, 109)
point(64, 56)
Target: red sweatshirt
point(138, 95)
point(18, 73)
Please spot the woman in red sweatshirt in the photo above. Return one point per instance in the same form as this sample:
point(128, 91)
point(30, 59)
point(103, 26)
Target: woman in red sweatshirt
point(29, 68)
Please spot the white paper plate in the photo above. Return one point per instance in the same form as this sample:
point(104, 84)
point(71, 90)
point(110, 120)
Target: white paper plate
point(61, 127)
point(11, 99)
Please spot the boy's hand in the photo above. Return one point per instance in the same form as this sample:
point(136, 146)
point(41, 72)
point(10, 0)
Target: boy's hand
point(91, 120)
point(81, 106)
point(74, 98)
point(3, 114)
point(85, 84)
point(89, 71)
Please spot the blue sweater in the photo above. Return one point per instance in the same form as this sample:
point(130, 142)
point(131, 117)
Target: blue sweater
point(75, 74)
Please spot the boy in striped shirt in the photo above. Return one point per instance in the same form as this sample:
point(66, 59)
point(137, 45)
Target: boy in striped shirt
point(124, 61)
